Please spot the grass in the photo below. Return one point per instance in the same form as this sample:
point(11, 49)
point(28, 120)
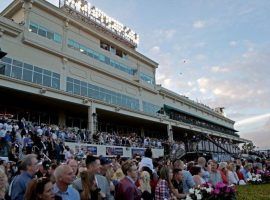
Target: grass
point(256, 192)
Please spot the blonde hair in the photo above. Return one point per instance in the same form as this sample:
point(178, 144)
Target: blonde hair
point(145, 181)
point(4, 186)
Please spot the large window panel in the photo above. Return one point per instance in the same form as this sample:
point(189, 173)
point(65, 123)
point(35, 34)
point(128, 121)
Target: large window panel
point(16, 72)
point(84, 91)
point(33, 27)
point(57, 38)
point(77, 89)
point(37, 78)
point(47, 81)
point(27, 75)
point(56, 83)
point(42, 31)
point(69, 87)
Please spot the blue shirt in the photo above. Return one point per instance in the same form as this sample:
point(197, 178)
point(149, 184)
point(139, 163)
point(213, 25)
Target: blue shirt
point(69, 194)
point(19, 186)
point(188, 181)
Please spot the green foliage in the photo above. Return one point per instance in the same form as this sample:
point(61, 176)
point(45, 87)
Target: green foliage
point(253, 192)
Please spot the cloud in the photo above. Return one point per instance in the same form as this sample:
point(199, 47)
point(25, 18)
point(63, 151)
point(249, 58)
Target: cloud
point(200, 57)
point(254, 119)
point(155, 50)
point(219, 69)
point(233, 43)
point(260, 137)
point(199, 24)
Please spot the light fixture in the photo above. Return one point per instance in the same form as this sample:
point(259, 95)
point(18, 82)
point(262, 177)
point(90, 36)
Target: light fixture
point(42, 90)
point(85, 101)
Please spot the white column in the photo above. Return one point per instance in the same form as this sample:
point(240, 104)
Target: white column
point(170, 132)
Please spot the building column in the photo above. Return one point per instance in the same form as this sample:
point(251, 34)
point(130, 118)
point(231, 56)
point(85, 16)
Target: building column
point(92, 119)
point(62, 119)
point(142, 132)
point(170, 132)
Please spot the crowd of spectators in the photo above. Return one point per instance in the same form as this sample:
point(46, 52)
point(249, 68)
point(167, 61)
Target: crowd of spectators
point(40, 166)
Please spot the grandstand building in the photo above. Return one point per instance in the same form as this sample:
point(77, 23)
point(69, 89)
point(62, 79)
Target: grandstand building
point(74, 66)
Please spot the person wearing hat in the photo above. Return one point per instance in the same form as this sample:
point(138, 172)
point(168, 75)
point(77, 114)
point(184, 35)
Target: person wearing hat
point(106, 163)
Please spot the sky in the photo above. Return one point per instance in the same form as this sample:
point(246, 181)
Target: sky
point(214, 52)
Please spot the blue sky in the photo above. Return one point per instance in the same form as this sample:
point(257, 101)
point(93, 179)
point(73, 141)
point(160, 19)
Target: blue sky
point(215, 52)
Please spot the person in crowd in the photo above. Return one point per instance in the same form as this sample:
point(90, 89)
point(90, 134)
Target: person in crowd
point(240, 175)
point(44, 169)
point(93, 167)
point(3, 184)
point(205, 172)
point(144, 182)
point(64, 176)
point(246, 171)
point(147, 160)
point(164, 186)
point(109, 175)
point(231, 174)
point(106, 164)
point(29, 168)
point(90, 190)
point(74, 165)
point(223, 172)
point(126, 188)
point(39, 189)
point(177, 183)
point(188, 181)
point(215, 176)
point(197, 174)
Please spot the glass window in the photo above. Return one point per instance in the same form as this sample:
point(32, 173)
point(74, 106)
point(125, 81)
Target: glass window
point(69, 87)
point(77, 82)
point(114, 100)
point(77, 89)
point(17, 63)
point(2, 69)
point(47, 81)
point(5, 69)
point(84, 84)
point(90, 52)
point(69, 79)
point(27, 75)
point(6, 60)
point(91, 93)
point(27, 66)
point(84, 91)
point(33, 27)
point(37, 78)
point(55, 83)
point(70, 43)
point(50, 35)
point(108, 98)
point(16, 72)
point(57, 38)
point(42, 31)
point(47, 72)
point(55, 75)
point(37, 69)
